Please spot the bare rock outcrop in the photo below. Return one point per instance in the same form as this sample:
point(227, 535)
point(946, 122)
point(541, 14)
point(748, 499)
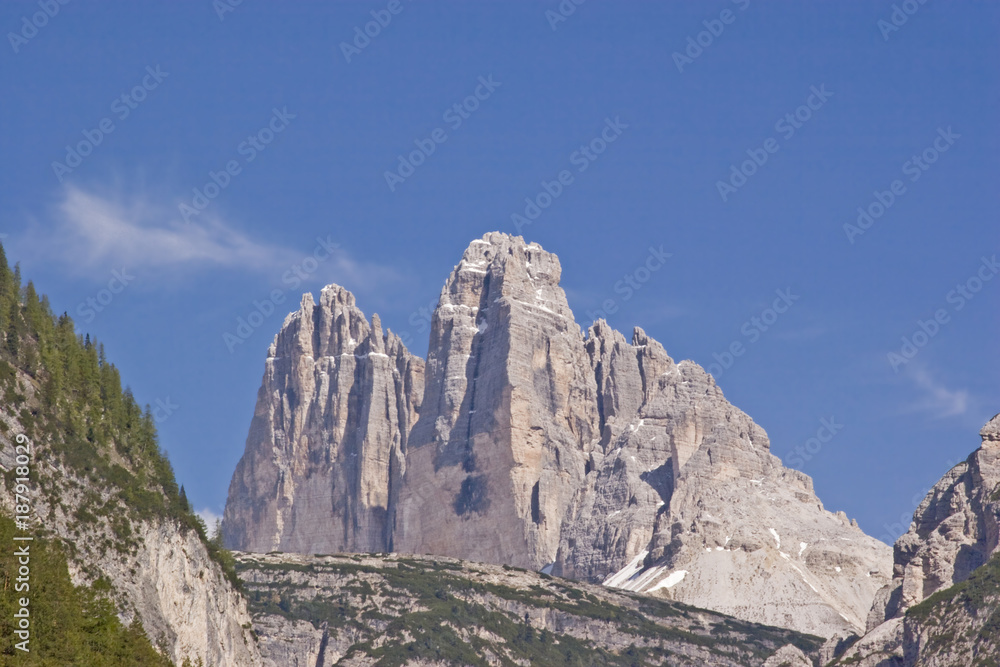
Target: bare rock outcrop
point(955, 530)
point(687, 502)
point(942, 600)
point(326, 449)
point(508, 416)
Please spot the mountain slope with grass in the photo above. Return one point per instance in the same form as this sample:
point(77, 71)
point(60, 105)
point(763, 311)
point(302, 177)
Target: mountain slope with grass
point(389, 610)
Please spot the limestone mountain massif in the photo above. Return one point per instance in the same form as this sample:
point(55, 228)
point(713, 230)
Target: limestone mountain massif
point(528, 442)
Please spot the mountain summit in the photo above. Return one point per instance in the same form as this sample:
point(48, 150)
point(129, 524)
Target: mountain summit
point(525, 441)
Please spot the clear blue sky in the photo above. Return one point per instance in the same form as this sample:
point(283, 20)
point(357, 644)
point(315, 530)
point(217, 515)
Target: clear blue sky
point(327, 130)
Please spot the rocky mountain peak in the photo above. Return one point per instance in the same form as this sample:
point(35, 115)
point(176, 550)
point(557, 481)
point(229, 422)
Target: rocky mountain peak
point(325, 452)
point(523, 442)
point(509, 415)
point(990, 433)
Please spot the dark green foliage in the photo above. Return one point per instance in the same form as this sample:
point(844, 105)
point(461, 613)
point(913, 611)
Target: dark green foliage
point(963, 621)
point(975, 593)
point(70, 625)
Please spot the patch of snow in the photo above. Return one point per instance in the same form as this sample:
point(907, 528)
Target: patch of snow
point(621, 576)
point(547, 569)
point(614, 513)
point(801, 574)
point(802, 547)
point(777, 538)
point(718, 548)
point(639, 580)
point(837, 569)
point(483, 326)
point(532, 305)
point(672, 580)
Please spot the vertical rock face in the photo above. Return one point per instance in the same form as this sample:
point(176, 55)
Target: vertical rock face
point(508, 416)
point(325, 453)
point(954, 534)
point(955, 529)
point(533, 445)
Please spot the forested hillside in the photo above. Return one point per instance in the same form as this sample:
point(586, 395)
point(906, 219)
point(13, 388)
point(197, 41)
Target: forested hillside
point(96, 473)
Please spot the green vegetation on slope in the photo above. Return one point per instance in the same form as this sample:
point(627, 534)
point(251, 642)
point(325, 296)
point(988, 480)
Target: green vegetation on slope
point(70, 625)
point(404, 609)
point(977, 597)
point(82, 418)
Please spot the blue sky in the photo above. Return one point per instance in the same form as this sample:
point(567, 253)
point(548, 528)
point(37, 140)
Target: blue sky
point(829, 102)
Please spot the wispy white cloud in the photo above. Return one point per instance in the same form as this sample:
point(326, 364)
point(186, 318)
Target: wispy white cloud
point(88, 232)
point(937, 399)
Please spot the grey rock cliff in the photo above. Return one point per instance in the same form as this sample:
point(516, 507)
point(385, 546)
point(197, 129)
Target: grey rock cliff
point(953, 534)
point(955, 529)
point(508, 416)
point(686, 501)
point(325, 453)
